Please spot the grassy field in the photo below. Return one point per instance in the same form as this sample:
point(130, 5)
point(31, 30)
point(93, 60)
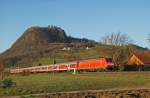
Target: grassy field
point(49, 82)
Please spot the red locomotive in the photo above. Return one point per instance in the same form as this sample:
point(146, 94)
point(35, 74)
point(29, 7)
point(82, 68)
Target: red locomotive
point(101, 63)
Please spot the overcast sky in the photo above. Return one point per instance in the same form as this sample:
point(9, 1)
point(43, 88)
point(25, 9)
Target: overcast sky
point(79, 18)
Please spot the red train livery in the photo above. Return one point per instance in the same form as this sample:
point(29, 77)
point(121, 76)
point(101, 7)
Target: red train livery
point(101, 63)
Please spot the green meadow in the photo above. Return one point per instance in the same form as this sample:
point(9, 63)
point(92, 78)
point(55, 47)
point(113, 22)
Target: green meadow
point(62, 82)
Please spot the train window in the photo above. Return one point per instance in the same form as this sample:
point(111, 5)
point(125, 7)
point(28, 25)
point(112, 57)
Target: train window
point(109, 59)
point(52, 67)
point(72, 64)
point(44, 68)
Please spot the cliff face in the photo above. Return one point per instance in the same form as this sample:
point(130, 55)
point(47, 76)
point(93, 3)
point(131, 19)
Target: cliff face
point(41, 35)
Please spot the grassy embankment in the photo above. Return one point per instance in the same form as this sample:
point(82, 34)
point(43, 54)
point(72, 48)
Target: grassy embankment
point(46, 83)
point(60, 56)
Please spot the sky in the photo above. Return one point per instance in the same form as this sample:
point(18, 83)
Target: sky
point(79, 18)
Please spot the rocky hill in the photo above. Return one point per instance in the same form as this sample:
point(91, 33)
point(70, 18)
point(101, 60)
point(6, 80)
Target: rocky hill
point(38, 42)
point(36, 36)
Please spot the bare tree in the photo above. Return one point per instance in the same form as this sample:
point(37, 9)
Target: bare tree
point(121, 56)
point(117, 39)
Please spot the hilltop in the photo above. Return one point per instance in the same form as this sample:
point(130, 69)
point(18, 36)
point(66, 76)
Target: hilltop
point(43, 45)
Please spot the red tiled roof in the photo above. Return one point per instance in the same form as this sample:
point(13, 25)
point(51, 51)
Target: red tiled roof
point(144, 56)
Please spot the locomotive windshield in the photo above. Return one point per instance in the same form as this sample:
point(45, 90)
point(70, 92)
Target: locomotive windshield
point(109, 59)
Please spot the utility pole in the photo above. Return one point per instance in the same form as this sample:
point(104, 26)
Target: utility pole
point(77, 65)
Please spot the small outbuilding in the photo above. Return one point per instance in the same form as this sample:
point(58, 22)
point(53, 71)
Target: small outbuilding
point(139, 61)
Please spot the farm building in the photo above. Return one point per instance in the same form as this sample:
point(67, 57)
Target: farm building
point(139, 61)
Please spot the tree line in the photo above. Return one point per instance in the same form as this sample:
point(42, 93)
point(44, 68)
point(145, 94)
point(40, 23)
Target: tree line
point(117, 39)
point(121, 56)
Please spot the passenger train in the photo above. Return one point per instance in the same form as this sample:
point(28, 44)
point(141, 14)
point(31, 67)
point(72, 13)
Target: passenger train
point(101, 63)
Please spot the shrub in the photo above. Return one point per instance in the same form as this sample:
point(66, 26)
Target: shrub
point(6, 83)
